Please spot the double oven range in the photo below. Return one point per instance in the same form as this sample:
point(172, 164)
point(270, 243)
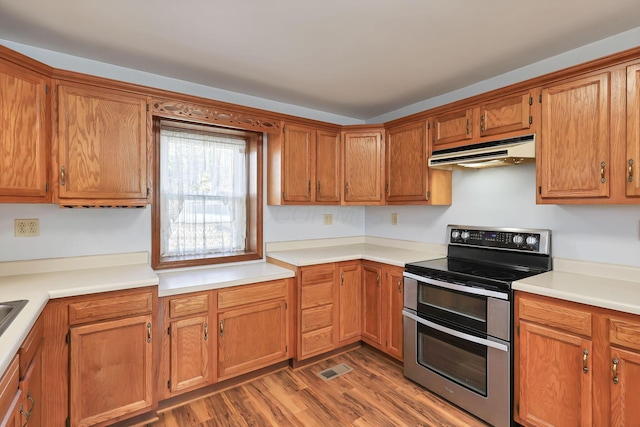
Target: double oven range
point(458, 314)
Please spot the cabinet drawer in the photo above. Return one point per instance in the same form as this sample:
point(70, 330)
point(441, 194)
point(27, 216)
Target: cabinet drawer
point(560, 316)
point(315, 295)
point(315, 275)
point(8, 386)
point(624, 333)
point(317, 341)
point(249, 294)
point(316, 318)
point(110, 307)
point(29, 346)
point(192, 304)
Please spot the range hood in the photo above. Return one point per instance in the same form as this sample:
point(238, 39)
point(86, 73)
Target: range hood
point(504, 152)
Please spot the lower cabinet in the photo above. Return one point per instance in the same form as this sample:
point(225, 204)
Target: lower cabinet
point(318, 301)
point(576, 365)
point(349, 302)
point(372, 304)
point(10, 397)
point(31, 367)
point(253, 327)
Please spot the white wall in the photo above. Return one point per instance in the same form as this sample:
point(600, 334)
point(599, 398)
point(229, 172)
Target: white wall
point(282, 223)
point(505, 197)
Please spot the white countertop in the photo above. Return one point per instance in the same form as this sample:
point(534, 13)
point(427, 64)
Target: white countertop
point(616, 287)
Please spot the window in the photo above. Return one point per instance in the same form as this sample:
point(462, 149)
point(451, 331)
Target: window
point(208, 195)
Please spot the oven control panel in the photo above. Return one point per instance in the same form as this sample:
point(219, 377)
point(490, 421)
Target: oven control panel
point(523, 240)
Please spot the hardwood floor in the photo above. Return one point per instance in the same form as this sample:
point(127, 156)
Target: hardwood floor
point(375, 393)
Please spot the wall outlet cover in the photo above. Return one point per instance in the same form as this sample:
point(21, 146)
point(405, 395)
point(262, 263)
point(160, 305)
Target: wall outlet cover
point(27, 227)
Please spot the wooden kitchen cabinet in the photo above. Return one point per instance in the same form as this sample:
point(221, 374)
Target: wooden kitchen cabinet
point(574, 158)
point(452, 127)
point(10, 396)
point(394, 289)
point(24, 132)
point(632, 158)
point(318, 303)
point(31, 367)
point(189, 351)
point(100, 149)
point(304, 166)
point(252, 327)
point(350, 301)
point(556, 341)
point(363, 166)
point(408, 179)
point(509, 113)
point(372, 304)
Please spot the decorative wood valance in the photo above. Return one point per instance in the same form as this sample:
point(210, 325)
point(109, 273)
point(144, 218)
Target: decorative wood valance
point(204, 114)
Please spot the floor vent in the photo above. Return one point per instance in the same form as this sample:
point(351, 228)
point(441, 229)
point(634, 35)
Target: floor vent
point(336, 371)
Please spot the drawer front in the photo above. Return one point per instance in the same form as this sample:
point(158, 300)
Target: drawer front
point(110, 307)
point(317, 341)
point(313, 275)
point(315, 295)
point(30, 345)
point(560, 316)
point(192, 304)
point(249, 294)
point(316, 318)
point(624, 333)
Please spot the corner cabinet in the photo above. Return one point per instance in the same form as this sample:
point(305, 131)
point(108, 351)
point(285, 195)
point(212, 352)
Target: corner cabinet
point(576, 365)
point(24, 134)
point(363, 156)
point(304, 166)
point(408, 180)
point(100, 146)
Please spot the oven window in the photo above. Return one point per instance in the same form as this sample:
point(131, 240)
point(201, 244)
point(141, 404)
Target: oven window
point(456, 307)
point(461, 361)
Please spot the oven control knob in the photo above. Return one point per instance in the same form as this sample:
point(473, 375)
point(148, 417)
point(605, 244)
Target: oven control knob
point(532, 240)
point(464, 235)
point(455, 234)
point(518, 239)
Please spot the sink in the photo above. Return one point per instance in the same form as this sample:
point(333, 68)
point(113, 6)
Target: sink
point(8, 311)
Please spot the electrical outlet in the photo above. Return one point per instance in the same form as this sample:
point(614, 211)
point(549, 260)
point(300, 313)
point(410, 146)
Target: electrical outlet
point(394, 219)
point(328, 219)
point(29, 227)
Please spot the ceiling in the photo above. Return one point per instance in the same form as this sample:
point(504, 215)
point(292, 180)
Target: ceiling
point(355, 58)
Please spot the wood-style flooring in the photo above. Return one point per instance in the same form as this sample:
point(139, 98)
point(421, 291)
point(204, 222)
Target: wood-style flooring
point(375, 393)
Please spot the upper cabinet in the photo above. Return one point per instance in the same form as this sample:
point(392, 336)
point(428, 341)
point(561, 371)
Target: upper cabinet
point(574, 155)
point(632, 159)
point(507, 114)
point(363, 166)
point(24, 134)
point(452, 127)
point(100, 148)
point(303, 166)
point(408, 180)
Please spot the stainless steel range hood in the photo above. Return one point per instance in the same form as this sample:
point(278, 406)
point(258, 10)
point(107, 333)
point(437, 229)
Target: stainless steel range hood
point(504, 152)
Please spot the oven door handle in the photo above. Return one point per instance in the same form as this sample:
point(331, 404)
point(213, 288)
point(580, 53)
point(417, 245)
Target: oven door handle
point(455, 333)
point(460, 288)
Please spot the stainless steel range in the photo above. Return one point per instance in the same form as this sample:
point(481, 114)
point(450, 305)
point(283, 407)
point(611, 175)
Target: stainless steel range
point(458, 315)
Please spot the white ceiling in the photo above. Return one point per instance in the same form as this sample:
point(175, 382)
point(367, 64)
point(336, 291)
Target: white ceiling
point(356, 58)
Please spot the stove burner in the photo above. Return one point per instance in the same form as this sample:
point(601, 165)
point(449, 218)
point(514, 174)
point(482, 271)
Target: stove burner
point(494, 274)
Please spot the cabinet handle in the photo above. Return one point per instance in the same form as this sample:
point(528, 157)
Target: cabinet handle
point(206, 331)
point(33, 403)
point(602, 178)
point(148, 332)
point(482, 123)
point(221, 327)
point(346, 188)
point(585, 354)
point(26, 416)
point(630, 171)
point(318, 190)
point(62, 175)
point(341, 279)
point(386, 187)
point(378, 280)
point(615, 370)
point(468, 123)
point(400, 286)
point(309, 187)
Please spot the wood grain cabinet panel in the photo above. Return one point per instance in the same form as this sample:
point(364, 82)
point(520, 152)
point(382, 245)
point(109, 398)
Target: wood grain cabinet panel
point(372, 304)
point(574, 146)
point(451, 127)
point(632, 159)
point(190, 353)
point(350, 302)
point(363, 165)
point(624, 380)
point(406, 163)
point(393, 317)
point(101, 146)
point(299, 147)
point(507, 114)
point(318, 303)
point(10, 396)
point(327, 166)
point(24, 134)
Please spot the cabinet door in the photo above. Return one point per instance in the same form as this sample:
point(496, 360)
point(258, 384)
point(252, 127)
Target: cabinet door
point(625, 377)
point(190, 353)
point(23, 134)
point(31, 386)
point(406, 163)
point(394, 312)
point(452, 127)
point(251, 337)
point(508, 114)
point(102, 150)
point(327, 163)
point(372, 305)
point(574, 143)
point(10, 396)
point(110, 370)
point(633, 131)
point(350, 301)
point(555, 389)
point(299, 142)
point(362, 167)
